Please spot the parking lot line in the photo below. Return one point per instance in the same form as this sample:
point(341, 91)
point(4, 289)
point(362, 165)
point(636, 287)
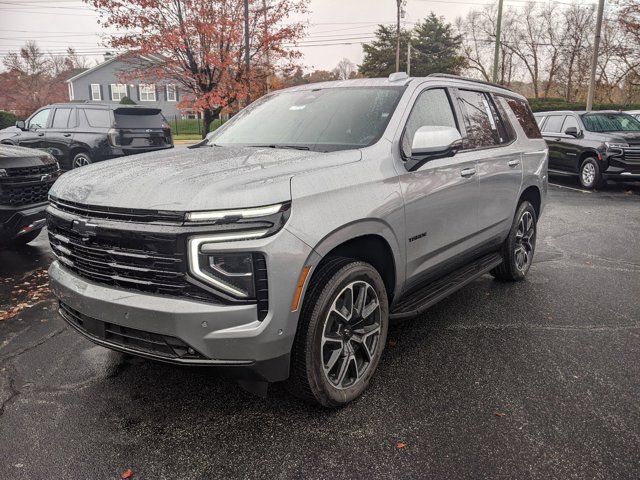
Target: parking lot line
point(570, 188)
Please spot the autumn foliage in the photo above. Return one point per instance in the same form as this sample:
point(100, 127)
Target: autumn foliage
point(199, 44)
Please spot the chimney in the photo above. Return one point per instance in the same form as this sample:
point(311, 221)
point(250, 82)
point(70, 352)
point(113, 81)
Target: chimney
point(108, 56)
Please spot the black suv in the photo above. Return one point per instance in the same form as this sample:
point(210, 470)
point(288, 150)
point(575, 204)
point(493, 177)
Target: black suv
point(78, 134)
point(26, 175)
point(596, 146)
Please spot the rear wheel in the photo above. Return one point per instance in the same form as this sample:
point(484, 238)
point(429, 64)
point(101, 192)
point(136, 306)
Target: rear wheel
point(518, 248)
point(81, 159)
point(341, 333)
point(590, 175)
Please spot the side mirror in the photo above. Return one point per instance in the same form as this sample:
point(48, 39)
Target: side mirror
point(20, 125)
point(431, 142)
point(573, 131)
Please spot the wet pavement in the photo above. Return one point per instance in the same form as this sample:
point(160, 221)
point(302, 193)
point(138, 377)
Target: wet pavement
point(539, 379)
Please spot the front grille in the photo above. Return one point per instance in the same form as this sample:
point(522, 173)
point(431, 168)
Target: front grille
point(113, 213)
point(27, 185)
point(632, 153)
point(140, 341)
point(148, 262)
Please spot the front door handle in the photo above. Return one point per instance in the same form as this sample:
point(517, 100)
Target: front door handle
point(41, 134)
point(66, 135)
point(468, 172)
point(513, 163)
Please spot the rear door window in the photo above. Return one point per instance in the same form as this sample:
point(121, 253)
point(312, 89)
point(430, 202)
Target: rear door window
point(553, 124)
point(432, 108)
point(479, 121)
point(138, 118)
point(525, 117)
point(61, 118)
point(98, 118)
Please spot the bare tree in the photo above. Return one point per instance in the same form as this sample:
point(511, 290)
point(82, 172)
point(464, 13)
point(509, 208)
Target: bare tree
point(345, 69)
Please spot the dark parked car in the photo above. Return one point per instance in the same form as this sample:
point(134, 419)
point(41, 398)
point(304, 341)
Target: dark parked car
point(26, 175)
point(78, 134)
point(595, 146)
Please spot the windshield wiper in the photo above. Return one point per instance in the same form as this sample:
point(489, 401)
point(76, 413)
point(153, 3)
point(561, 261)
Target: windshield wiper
point(292, 147)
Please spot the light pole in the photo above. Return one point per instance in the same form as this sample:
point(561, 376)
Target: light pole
point(496, 52)
point(594, 58)
point(247, 66)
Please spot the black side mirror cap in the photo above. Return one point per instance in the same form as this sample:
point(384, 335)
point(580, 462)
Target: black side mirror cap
point(573, 131)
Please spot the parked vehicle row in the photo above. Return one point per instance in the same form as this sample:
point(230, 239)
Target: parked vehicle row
point(595, 146)
point(78, 134)
point(280, 249)
point(26, 175)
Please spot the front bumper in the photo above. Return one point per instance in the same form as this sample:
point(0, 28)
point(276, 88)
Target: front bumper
point(225, 336)
point(14, 220)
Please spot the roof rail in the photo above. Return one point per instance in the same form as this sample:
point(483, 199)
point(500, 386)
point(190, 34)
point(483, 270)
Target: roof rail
point(457, 77)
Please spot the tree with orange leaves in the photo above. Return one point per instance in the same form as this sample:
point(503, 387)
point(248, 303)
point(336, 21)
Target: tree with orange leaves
point(199, 44)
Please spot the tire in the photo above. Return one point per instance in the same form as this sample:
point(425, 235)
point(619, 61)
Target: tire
point(333, 358)
point(518, 249)
point(81, 159)
point(22, 240)
point(590, 176)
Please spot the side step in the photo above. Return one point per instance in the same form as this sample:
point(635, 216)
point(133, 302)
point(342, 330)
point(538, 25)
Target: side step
point(418, 301)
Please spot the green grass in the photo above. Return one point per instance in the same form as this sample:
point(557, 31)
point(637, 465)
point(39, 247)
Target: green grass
point(187, 136)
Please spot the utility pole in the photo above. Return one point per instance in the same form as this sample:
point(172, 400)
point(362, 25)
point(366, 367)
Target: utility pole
point(409, 59)
point(266, 33)
point(247, 66)
point(594, 59)
point(399, 5)
point(496, 52)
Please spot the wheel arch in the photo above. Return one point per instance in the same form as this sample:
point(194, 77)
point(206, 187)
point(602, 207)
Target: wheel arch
point(589, 153)
point(370, 241)
point(532, 195)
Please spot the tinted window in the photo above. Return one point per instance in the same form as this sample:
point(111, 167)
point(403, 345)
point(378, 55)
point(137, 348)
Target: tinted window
point(98, 118)
point(569, 122)
point(610, 122)
point(61, 118)
point(553, 124)
point(505, 130)
point(540, 121)
point(432, 108)
point(326, 119)
point(525, 117)
point(138, 118)
point(481, 126)
point(39, 120)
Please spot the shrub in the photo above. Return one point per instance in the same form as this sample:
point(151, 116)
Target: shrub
point(127, 101)
point(7, 119)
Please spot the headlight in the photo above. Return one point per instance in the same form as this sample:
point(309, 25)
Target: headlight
point(229, 272)
point(616, 145)
point(215, 215)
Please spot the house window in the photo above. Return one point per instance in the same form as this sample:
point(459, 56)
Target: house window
point(147, 92)
point(171, 93)
point(118, 91)
point(96, 94)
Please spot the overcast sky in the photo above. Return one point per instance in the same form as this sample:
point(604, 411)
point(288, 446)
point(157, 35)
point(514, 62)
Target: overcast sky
point(55, 24)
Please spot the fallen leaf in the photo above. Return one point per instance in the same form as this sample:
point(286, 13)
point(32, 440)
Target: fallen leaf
point(400, 445)
point(392, 343)
point(499, 414)
point(128, 473)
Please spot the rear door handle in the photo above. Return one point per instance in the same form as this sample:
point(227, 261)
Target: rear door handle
point(513, 163)
point(468, 172)
point(41, 134)
point(66, 135)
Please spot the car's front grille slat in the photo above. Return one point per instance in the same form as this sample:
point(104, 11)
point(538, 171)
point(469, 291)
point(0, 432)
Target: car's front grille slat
point(27, 185)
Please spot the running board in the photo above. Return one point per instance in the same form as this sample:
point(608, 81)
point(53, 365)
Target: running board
point(418, 301)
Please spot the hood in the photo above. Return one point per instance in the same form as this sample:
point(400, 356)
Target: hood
point(183, 179)
point(632, 138)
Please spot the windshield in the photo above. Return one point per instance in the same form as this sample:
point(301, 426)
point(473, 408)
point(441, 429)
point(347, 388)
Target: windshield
point(323, 120)
point(610, 122)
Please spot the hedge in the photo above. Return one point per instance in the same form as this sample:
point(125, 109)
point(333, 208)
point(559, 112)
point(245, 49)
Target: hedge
point(7, 119)
point(547, 104)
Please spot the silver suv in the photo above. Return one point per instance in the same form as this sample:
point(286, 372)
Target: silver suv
point(282, 246)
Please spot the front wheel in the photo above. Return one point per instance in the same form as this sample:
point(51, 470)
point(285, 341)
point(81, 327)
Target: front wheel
point(81, 159)
point(590, 175)
point(341, 334)
point(517, 250)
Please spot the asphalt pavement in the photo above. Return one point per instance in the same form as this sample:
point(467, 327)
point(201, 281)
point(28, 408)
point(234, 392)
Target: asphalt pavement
point(539, 379)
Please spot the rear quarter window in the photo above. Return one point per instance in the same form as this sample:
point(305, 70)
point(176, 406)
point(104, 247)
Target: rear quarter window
point(98, 118)
point(525, 117)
